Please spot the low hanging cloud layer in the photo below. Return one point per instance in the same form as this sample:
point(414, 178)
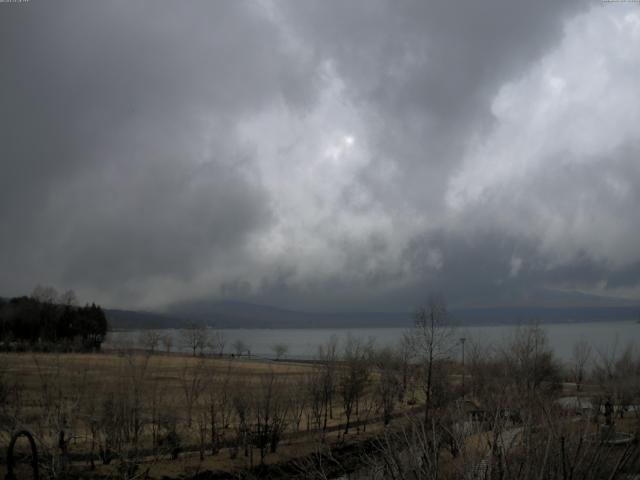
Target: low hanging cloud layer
point(320, 155)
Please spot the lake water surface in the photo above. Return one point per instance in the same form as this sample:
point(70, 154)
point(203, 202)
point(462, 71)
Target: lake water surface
point(304, 343)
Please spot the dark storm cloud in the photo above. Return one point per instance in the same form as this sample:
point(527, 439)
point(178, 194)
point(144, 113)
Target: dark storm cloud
point(119, 160)
point(318, 154)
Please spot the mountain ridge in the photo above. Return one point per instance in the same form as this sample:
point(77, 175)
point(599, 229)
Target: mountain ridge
point(230, 314)
point(238, 314)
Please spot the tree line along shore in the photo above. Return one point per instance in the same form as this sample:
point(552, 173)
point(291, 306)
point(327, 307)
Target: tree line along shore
point(47, 321)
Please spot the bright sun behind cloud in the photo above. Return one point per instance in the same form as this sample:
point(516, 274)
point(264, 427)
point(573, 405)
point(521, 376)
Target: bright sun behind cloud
point(340, 147)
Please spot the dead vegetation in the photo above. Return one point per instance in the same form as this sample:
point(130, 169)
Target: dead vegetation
point(386, 413)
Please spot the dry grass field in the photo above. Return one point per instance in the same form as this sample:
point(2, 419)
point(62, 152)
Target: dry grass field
point(203, 400)
point(98, 370)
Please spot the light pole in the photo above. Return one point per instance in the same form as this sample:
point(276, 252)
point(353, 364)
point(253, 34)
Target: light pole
point(462, 340)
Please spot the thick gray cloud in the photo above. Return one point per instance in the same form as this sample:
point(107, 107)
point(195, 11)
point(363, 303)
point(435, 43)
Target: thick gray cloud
point(426, 73)
point(325, 155)
point(120, 165)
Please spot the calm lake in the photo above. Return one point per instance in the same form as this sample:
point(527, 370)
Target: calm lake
point(303, 343)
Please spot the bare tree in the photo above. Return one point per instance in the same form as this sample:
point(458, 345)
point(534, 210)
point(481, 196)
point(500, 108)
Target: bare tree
point(45, 294)
point(240, 347)
point(219, 405)
point(68, 298)
point(119, 419)
point(550, 447)
point(328, 356)
point(58, 408)
point(530, 360)
point(617, 374)
point(580, 358)
point(194, 337)
point(167, 342)
point(280, 350)
point(271, 406)
point(316, 394)
point(150, 340)
point(136, 368)
point(299, 400)
point(217, 342)
point(431, 340)
point(389, 385)
point(404, 355)
point(353, 376)
point(192, 385)
point(242, 400)
point(158, 403)
point(484, 370)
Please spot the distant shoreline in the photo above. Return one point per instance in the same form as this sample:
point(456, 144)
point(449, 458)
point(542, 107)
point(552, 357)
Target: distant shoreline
point(381, 327)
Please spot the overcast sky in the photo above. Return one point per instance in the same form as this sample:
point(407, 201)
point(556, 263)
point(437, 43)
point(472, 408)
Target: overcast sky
point(323, 155)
